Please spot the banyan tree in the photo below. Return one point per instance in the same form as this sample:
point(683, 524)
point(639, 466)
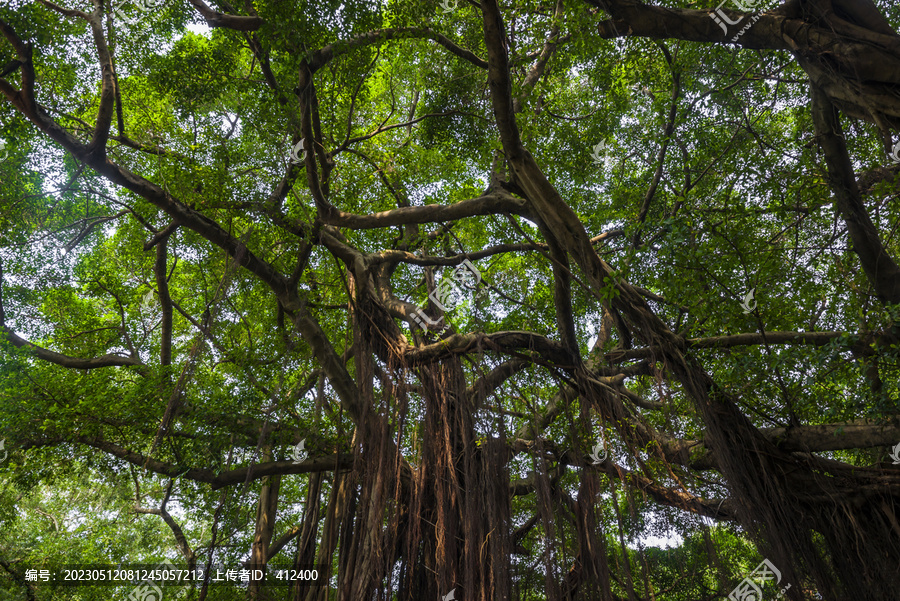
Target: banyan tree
point(470, 300)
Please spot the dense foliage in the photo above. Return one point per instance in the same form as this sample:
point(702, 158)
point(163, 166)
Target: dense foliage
point(519, 301)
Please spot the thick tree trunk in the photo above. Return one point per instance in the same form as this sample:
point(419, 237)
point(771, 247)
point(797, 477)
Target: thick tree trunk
point(334, 515)
point(306, 542)
point(880, 268)
point(265, 528)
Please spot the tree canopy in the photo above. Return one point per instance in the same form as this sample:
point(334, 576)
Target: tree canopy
point(585, 300)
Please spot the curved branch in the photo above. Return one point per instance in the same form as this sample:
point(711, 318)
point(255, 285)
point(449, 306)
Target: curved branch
point(746, 339)
point(107, 107)
point(65, 11)
point(24, 98)
point(486, 384)
point(672, 497)
point(340, 461)
point(215, 478)
point(857, 434)
point(540, 65)
point(108, 360)
point(497, 201)
point(659, 22)
point(165, 300)
point(215, 18)
point(661, 155)
point(402, 256)
point(880, 268)
point(326, 54)
point(407, 124)
point(180, 539)
point(509, 342)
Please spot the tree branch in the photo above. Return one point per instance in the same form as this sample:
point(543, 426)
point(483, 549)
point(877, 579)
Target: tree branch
point(217, 479)
point(880, 268)
point(497, 201)
point(216, 19)
point(327, 53)
point(746, 339)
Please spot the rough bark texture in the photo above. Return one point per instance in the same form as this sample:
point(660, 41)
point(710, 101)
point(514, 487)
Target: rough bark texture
point(418, 529)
